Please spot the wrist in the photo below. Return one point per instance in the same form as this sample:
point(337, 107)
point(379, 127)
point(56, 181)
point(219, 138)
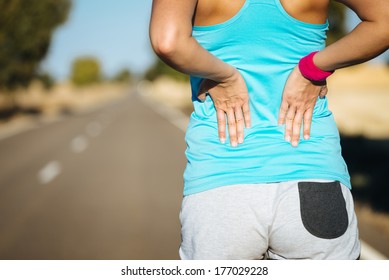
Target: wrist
point(310, 71)
point(229, 73)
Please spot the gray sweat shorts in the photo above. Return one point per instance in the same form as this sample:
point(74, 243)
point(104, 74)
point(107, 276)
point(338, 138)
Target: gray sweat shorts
point(311, 219)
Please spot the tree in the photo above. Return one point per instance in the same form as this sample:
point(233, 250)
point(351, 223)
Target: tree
point(46, 79)
point(85, 71)
point(123, 76)
point(336, 19)
point(26, 28)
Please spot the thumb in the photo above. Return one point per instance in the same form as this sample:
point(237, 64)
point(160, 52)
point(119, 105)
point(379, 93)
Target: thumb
point(201, 95)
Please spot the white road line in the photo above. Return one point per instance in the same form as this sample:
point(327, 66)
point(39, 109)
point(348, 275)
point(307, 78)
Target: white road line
point(369, 253)
point(93, 129)
point(173, 115)
point(79, 144)
point(49, 172)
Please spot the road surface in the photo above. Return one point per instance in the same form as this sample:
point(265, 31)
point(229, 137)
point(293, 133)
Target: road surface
point(100, 185)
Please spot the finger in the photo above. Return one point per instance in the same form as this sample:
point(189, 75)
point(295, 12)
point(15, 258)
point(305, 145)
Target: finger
point(307, 123)
point(283, 111)
point(246, 114)
point(239, 124)
point(289, 123)
point(232, 127)
point(221, 124)
point(323, 91)
point(297, 122)
point(201, 96)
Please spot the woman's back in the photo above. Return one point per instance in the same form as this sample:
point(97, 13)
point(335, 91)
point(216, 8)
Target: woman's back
point(264, 42)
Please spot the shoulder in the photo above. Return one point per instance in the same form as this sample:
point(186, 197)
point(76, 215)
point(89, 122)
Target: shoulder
point(305, 5)
point(216, 11)
point(314, 11)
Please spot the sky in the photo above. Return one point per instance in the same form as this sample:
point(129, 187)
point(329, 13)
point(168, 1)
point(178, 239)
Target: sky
point(114, 31)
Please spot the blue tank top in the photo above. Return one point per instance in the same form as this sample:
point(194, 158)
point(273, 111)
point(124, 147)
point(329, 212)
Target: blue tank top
point(264, 43)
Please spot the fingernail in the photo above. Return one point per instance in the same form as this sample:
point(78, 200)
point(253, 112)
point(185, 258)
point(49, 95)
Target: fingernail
point(287, 138)
point(234, 144)
point(240, 140)
point(223, 140)
point(294, 143)
point(306, 137)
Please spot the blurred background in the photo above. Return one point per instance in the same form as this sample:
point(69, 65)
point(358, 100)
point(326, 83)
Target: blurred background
point(92, 134)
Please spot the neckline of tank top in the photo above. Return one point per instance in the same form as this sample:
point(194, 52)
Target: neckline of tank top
point(280, 7)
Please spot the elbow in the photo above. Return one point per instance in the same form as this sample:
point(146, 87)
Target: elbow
point(383, 32)
point(386, 35)
point(384, 26)
point(164, 43)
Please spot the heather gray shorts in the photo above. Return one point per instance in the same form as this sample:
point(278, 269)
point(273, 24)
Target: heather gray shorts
point(312, 219)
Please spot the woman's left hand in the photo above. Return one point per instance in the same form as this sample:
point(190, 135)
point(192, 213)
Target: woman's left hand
point(298, 101)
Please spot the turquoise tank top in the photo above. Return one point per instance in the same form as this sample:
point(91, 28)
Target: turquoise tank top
point(264, 43)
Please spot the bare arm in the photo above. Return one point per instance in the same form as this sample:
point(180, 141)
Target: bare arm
point(171, 38)
point(369, 39)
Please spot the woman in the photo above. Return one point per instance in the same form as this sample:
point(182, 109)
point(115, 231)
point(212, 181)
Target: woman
point(258, 67)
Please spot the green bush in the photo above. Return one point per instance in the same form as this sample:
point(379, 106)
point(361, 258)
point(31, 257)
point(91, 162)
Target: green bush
point(161, 69)
point(46, 79)
point(123, 76)
point(336, 19)
point(85, 71)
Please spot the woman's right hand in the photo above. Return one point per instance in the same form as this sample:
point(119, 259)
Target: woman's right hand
point(231, 100)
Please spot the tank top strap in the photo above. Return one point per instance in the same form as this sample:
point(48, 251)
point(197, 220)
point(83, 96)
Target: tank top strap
point(262, 1)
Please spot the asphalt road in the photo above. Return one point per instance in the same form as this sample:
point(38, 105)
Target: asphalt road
point(100, 185)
